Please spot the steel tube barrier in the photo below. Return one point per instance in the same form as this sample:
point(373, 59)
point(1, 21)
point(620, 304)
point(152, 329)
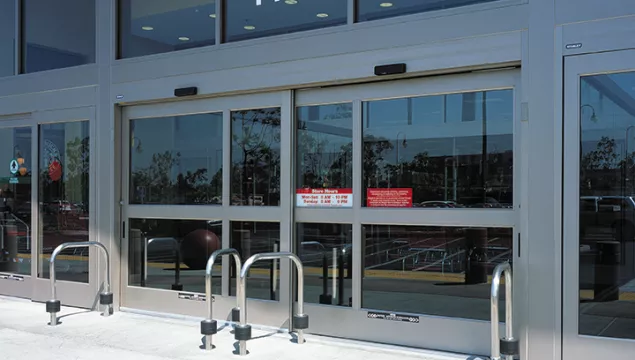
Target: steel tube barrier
point(53, 306)
point(508, 346)
point(242, 332)
point(209, 326)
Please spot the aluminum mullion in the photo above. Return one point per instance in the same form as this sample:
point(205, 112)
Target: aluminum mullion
point(17, 55)
point(351, 12)
point(286, 200)
point(220, 20)
point(357, 245)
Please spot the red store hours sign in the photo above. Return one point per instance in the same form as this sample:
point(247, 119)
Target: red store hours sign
point(324, 197)
point(397, 197)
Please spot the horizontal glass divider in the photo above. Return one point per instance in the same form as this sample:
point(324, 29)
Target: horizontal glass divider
point(440, 217)
point(322, 215)
point(254, 213)
point(175, 212)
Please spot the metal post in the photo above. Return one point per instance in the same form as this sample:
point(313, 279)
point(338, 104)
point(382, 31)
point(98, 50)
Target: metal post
point(508, 345)
point(242, 333)
point(334, 283)
point(53, 306)
point(209, 326)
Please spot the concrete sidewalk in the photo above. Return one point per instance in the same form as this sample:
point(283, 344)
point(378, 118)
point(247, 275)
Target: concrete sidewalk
point(83, 334)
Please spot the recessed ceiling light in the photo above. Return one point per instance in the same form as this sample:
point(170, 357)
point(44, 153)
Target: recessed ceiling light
point(322, 15)
point(213, 16)
point(386, 4)
point(184, 38)
point(147, 28)
point(291, 2)
point(249, 27)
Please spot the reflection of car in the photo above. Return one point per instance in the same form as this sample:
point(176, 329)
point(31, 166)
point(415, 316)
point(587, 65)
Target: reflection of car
point(439, 204)
point(608, 215)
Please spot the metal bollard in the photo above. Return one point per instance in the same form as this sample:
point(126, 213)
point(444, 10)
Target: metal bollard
point(209, 326)
point(508, 346)
point(242, 332)
point(53, 306)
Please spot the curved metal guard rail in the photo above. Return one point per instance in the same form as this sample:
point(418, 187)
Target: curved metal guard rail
point(508, 345)
point(242, 332)
point(209, 325)
point(53, 306)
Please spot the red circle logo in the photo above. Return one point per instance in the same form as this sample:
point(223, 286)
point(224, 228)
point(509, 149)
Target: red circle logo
point(55, 170)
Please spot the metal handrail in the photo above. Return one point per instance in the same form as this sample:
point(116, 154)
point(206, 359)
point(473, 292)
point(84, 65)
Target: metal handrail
point(508, 344)
point(105, 297)
point(242, 333)
point(205, 328)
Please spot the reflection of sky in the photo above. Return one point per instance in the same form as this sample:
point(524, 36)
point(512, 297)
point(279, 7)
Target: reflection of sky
point(443, 125)
point(198, 138)
point(330, 125)
point(612, 120)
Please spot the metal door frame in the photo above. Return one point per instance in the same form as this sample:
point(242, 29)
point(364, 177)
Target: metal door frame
point(270, 313)
point(22, 285)
point(431, 332)
point(582, 346)
point(84, 295)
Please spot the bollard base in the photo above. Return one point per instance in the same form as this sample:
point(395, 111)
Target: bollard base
point(326, 299)
point(235, 315)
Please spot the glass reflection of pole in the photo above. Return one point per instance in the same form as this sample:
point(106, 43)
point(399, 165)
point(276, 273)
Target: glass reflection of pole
point(626, 156)
point(484, 154)
point(405, 144)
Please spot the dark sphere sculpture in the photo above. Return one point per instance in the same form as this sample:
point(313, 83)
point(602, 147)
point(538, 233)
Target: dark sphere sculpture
point(197, 247)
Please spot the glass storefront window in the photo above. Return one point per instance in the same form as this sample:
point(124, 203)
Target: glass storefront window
point(607, 206)
point(64, 188)
point(255, 157)
point(7, 38)
point(442, 271)
point(177, 160)
point(58, 34)
point(379, 9)
point(172, 254)
point(441, 151)
point(324, 155)
point(15, 200)
point(249, 19)
point(151, 27)
point(250, 238)
point(326, 251)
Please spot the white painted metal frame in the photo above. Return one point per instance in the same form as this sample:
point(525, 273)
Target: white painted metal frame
point(432, 331)
point(273, 313)
point(83, 295)
point(582, 347)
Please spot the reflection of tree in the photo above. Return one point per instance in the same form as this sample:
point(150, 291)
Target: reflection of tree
point(156, 177)
point(319, 164)
point(77, 169)
point(256, 170)
point(600, 169)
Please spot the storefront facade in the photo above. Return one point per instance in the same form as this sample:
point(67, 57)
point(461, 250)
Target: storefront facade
point(500, 134)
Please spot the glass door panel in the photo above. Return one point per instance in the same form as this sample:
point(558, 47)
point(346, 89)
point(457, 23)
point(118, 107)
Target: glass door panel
point(64, 185)
point(406, 200)
point(15, 202)
point(599, 206)
point(64, 154)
